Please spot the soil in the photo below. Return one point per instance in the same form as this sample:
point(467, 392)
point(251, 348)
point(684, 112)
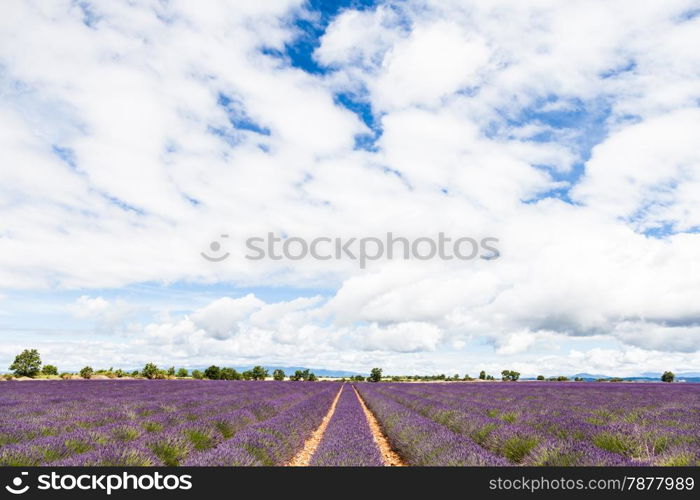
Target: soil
point(390, 457)
point(303, 458)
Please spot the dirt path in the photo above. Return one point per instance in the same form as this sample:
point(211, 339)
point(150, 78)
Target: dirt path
point(303, 458)
point(390, 457)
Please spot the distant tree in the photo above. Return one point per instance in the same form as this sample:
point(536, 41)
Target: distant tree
point(510, 375)
point(150, 371)
point(467, 377)
point(86, 372)
point(49, 370)
point(278, 374)
point(182, 372)
point(482, 375)
point(258, 373)
point(213, 372)
point(27, 363)
point(196, 374)
point(540, 377)
point(298, 375)
point(562, 378)
point(247, 375)
point(375, 375)
point(357, 378)
point(135, 373)
point(490, 377)
point(171, 371)
point(312, 377)
point(119, 373)
point(668, 377)
point(229, 374)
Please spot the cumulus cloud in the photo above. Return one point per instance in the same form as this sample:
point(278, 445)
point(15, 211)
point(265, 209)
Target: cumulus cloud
point(135, 134)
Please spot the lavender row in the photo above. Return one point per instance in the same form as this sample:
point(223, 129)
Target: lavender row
point(275, 441)
point(565, 424)
point(348, 439)
point(421, 441)
point(174, 426)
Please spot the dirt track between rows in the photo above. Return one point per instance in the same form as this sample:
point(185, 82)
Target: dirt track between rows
point(303, 458)
point(389, 456)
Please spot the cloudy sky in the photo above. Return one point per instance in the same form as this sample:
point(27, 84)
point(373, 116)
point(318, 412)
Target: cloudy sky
point(133, 134)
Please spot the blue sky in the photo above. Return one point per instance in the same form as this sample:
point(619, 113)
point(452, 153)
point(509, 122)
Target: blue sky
point(135, 135)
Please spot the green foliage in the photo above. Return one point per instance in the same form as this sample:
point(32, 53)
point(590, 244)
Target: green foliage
point(150, 371)
point(258, 373)
point(171, 371)
point(86, 372)
point(305, 375)
point(540, 377)
point(213, 372)
point(49, 370)
point(27, 363)
point(229, 374)
point(278, 375)
point(482, 375)
point(182, 373)
point(510, 375)
point(375, 375)
point(357, 378)
point(668, 377)
point(198, 375)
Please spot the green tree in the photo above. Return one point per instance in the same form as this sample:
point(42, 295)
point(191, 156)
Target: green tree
point(49, 370)
point(196, 374)
point(278, 374)
point(213, 372)
point(668, 377)
point(150, 371)
point(312, 377)
point(375, 375)
point(258, 373)
point(27, 363)
point(171, 371)
point(482, 375)
point(182, 372)
point(229, 374)
point(86, 372)
point(298, 375)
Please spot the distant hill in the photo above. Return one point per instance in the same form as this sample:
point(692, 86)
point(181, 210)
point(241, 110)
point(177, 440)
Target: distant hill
point(289, 370)
point(587, 376)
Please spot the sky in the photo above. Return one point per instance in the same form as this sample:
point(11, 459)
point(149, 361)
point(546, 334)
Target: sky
point(135, 134)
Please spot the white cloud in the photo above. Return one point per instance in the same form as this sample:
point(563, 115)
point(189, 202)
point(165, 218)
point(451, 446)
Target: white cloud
point(221, 318)
point(121, 163)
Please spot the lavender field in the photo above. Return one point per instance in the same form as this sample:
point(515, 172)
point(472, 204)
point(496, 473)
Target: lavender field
point(221, 423)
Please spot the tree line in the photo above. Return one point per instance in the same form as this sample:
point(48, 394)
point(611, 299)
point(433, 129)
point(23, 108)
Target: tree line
point(28, 364)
